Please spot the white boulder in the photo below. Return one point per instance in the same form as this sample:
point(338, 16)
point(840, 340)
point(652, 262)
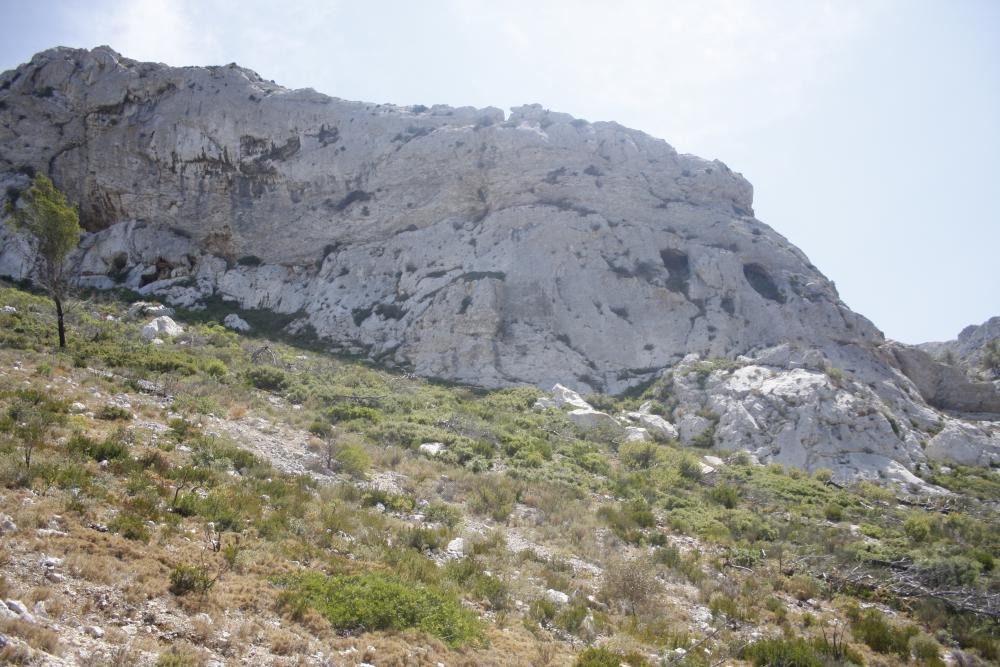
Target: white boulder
point(557, 597)
point(148, 309)
point(161, 327)
point(636, 434)
point(433, 448)
point(588, 418)
point(236, 323)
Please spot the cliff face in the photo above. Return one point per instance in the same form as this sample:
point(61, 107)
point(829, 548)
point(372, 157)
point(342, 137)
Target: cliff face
point(532, 248)
point(460, 243)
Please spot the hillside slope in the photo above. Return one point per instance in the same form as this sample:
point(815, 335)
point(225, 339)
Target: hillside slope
point(222, 499)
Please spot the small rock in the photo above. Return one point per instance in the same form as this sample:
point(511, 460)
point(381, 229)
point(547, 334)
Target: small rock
point(713, 461)
point(5, 611)
point(202, 618)
point(94, 631)
point(148, 309)
point(433, 448)
point(636, 434)
point(557, 597)
point(456, 547)
point(8, 309)
point(77, 408)
point(236, 323)
point(50, 562)
point(7, 525)
point(55, 577)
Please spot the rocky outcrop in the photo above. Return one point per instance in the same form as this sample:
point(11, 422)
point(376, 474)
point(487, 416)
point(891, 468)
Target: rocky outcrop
point(968, 350)
point(942, 385)
point(473, 245)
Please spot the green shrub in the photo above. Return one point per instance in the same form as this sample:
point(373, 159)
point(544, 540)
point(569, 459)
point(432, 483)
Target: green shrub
point(638, 455)
point(438, 512)
point(925, 650)
point(186, 579)
point(602, 657)
point(871, 627)
point(268, 378)
point(108, 449)
point(113, 413)
point(368, 602)
point(726, 495)
point(130, 526)
point(353, 459)
point(494, 495)
point(782, 653)
point(834, 512)
point(345, 412)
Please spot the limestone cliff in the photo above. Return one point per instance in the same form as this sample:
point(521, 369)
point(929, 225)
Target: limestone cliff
point(459, 243)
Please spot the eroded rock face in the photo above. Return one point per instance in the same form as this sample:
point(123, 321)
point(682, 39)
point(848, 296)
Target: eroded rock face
point(467, 244)
point(461, 243)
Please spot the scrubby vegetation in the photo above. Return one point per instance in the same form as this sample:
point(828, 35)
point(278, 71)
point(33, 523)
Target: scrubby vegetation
point(208, 478)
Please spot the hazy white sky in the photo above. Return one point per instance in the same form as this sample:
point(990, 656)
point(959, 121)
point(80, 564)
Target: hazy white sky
point(870, 130)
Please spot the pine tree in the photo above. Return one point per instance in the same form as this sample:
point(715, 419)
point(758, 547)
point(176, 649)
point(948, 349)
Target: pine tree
point(54, 228)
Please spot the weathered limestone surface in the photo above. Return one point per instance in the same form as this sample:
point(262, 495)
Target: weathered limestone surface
point(469, 244)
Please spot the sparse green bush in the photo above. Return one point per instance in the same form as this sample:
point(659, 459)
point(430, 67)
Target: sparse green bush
point(602, 657)
point(186, 579)
point(268, 378)
point(113, 413)
point(493, 495)
point(369, 602)
point(726, 495)
point(130, 526)
point(871, 627)
point(353, 459)
point(782, 653)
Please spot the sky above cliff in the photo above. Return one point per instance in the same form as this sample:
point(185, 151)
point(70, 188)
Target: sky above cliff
point(869, 129)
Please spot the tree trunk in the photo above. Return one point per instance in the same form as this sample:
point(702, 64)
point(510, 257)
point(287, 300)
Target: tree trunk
point(59, 319)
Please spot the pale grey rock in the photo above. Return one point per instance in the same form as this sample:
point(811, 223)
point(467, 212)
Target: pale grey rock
point(944, 386)
point(161, 327)
point(656, 425)
point(236, 323)
point(966, 350)
point(20, 609)
point(714, 461)
point(6, 612)
point(8, 309)
point(588, 418)
point(966, 444)
point(692, 426)
point(636, 434)
point(456, 547)
point(433, 448)
point(77, 407)
point(94, 631)
point(141, 309)
point(556, 597)
point(563, 396)
point(7, 525)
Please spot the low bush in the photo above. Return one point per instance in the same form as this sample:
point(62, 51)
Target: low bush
point(494, 495)
point(602, 657)
point(782, 653)
point(186, 579)
point(372, 601)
